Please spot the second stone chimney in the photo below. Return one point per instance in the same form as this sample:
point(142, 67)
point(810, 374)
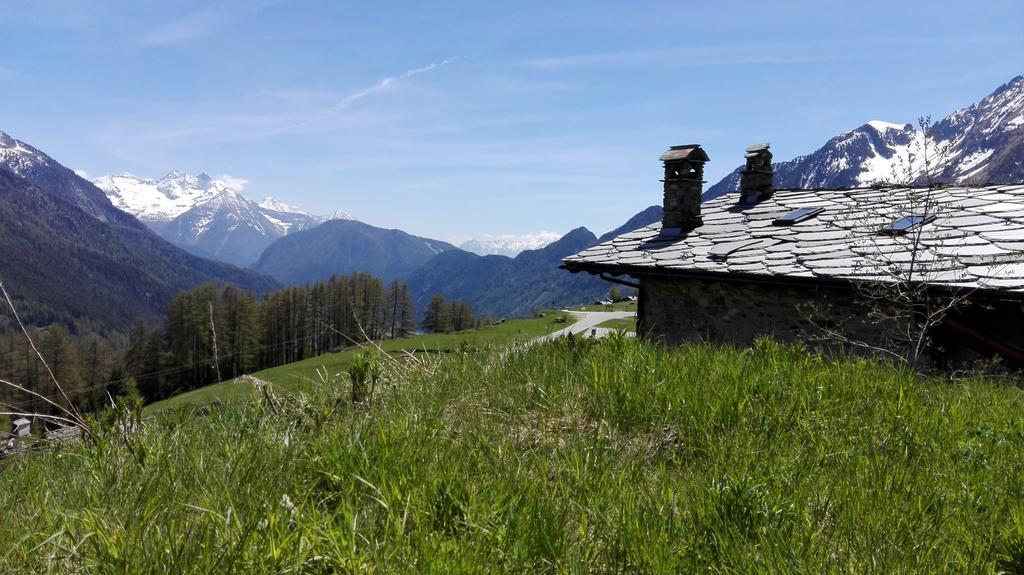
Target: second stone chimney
point(684, 179)
point(757, 180)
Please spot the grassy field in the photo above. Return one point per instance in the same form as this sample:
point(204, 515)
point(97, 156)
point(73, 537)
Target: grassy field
point(585, 457)
point(306, 374)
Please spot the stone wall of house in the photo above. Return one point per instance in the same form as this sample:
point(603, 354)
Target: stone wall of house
point(675, 311)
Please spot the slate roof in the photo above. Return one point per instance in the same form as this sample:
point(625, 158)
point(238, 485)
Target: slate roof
point(975, 241)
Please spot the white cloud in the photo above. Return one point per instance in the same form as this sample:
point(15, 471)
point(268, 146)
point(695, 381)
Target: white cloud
point(381, 86)
point(236, 184)
point(385, 84)
point(82, 174)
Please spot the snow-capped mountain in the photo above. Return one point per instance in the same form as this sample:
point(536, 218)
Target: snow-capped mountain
point(206, 215)
point(28, 162)
point(70, 256)
point(508, 245)
point(987, 139)
point(981, 143)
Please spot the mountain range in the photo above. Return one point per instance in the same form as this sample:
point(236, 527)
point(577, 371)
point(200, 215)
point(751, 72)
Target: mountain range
point(503, 286)
point(71, 256)
point(508, 245)
point(344, 247)
point(981, 143)
point(208, 216)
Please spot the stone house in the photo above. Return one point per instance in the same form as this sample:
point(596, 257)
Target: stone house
point(801, 264)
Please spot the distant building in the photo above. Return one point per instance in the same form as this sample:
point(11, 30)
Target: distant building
point(21, 427)
point(751, 263)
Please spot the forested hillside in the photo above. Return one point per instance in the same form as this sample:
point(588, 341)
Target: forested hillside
point(249, 334)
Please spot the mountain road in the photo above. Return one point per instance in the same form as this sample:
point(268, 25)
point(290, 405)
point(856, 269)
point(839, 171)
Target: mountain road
point(586, 324)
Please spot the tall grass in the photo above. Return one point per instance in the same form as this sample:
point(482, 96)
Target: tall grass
point(617, 456)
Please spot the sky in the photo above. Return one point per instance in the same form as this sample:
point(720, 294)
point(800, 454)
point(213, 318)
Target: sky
point(455, 120)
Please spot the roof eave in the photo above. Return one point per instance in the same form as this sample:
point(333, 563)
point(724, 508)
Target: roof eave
point(834, 283)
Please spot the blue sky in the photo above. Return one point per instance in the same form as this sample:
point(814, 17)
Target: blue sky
point(457, 119)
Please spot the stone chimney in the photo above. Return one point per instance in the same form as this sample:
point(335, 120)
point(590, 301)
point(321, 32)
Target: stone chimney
point(684, 179)
point(757, 180)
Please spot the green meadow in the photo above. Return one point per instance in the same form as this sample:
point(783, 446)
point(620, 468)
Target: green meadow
point(307, 374)
point(617, 456)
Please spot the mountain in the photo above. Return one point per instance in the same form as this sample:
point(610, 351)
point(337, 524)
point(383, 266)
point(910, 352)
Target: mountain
point(23, 160)
point(503, 286)
point(207, 216)
point(508, 245)
point(981, 143)
point(71, 256)
point(345, 247)
point(645, 217)
point(987, 138)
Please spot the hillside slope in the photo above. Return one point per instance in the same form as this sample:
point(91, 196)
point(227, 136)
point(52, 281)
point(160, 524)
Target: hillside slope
point(345, 247)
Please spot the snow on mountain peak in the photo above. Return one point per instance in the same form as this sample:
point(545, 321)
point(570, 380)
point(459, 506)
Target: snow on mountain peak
point(208, 212)
point(20, 157)
point(882, 126)
point(508, 244)
point(269, 203)
point(978, 143)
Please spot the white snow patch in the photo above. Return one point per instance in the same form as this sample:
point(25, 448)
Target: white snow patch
point(974, 162)
point(882, 126)
point(508, 244)
point(340, 215)
point(159, 200)
point(281, 225)
point(892, 169)
point(270, 203)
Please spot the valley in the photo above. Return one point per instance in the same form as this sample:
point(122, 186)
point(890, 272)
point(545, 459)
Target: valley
point(280, 291)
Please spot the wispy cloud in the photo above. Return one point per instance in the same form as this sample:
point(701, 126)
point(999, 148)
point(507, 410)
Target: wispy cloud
point(203, 22)
point(307, 111)
point(386, 84)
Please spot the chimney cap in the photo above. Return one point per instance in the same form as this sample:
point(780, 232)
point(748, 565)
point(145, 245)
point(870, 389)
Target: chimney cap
point(692, 152)
point(756, 149)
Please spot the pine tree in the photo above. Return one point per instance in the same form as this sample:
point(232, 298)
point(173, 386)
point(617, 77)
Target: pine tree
point(462, 316)
point(437, 317)
point(406, 313)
